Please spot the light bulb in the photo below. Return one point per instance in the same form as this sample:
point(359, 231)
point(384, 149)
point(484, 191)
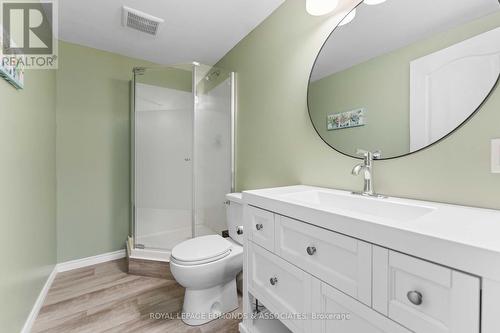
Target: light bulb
point(348, 18)
point(321, 7)
point(373, 2)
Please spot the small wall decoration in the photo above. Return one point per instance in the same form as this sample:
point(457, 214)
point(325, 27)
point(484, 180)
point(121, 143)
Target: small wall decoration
point(353, 118)
point(12, 71)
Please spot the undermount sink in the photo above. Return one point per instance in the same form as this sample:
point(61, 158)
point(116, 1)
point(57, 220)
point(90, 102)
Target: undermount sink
point(382, 208)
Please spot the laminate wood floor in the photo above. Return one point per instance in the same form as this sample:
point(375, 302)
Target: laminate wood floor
point(104, 298)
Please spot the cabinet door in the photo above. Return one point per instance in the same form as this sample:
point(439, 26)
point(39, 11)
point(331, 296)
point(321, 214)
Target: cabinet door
point(425, 297)
point(260, 222)
point(341, 261)
point(283, 288)
point(337, 312)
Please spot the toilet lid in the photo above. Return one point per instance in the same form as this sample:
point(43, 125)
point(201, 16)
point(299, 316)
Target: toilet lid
point(201, 249)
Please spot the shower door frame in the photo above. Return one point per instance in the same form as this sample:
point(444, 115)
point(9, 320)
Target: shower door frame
point(233, 114)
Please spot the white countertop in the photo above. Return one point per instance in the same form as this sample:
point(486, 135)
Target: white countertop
point(464, 238)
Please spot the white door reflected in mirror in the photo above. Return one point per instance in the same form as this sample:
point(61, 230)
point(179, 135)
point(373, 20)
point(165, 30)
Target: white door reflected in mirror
point(495, 156)
point(321, 7)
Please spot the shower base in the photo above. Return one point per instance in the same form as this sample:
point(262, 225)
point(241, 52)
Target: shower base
point(158, 246)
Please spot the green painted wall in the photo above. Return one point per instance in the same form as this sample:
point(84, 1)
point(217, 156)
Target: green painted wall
point(277, 144)
point(93, 187)
point(381, 86)
point(27, 194)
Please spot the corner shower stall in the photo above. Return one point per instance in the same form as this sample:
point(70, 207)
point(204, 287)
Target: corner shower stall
point(182, 155)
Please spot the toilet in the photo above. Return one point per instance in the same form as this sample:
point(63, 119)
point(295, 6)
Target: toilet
point(207, 267)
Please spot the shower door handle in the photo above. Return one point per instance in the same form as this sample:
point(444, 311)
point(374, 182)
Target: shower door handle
point(187, 159)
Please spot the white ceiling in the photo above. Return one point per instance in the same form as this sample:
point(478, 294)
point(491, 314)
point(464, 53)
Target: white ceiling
point(379, 29)
point(194, 30)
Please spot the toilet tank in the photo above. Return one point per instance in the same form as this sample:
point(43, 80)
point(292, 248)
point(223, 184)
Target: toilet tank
point(234, 216)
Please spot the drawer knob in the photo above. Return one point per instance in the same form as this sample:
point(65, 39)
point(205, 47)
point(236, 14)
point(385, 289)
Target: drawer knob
point(311, 250)
point(273, 281)
point(414, 297)
point(259, 226)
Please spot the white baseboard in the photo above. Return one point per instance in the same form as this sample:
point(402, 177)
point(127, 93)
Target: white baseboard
point(39, 302)
point(242, 328)
point(64, 267)
point(84, 262)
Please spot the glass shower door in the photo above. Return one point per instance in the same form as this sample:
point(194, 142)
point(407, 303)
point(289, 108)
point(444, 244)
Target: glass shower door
point(213, 147)
point(163, 149)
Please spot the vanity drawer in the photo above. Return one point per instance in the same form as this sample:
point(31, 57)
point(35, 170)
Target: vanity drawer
point(351, 316)
point(261, 224)
point(340, 261)
point(280, 286)
point(425, 297)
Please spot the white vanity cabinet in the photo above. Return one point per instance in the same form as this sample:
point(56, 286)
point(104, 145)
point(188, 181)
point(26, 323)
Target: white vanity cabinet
point(316, 277)
point(287, 276)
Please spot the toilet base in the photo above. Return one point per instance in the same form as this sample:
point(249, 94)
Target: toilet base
point(202, 306)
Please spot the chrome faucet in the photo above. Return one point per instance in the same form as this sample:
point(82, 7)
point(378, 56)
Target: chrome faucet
point(366, 167)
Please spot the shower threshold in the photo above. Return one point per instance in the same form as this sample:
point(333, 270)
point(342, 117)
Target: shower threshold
point(158, 254)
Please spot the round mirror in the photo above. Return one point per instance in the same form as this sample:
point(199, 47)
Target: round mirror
point(399, 75)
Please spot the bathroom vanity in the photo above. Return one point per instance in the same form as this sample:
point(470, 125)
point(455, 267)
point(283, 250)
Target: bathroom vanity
point(326, 260)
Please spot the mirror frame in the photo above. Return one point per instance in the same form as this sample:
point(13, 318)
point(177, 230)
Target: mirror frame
point(493, 89)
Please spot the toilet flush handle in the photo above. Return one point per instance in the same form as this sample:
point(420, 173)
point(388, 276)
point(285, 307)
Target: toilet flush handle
point(239, 230)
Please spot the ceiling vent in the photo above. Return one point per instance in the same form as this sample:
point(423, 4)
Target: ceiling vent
point(138, 20)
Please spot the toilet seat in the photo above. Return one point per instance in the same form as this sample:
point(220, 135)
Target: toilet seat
point(201, 250)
